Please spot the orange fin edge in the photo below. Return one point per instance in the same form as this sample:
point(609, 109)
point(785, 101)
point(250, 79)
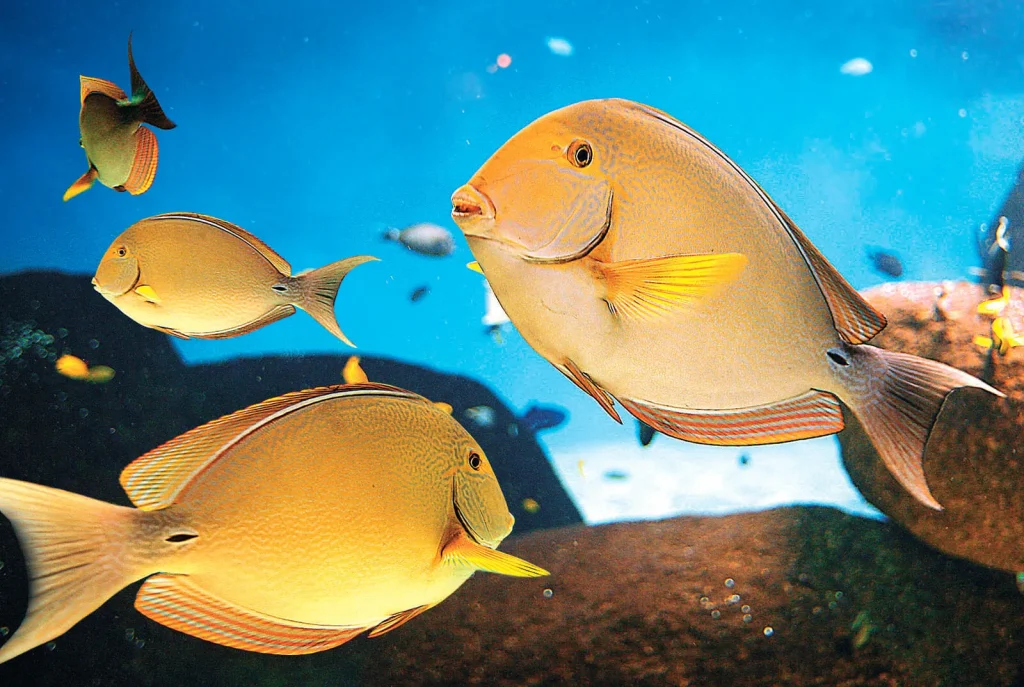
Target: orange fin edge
point(81, 185)
point(584, 382)
point(89, 85)
point(147, 154)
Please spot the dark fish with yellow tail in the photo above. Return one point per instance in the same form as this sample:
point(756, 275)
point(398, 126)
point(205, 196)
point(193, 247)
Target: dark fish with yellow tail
point(652, 271)
point(194, 276)
point(289, 527)
point(122, 153)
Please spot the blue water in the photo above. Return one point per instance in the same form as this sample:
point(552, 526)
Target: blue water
point(318, 125)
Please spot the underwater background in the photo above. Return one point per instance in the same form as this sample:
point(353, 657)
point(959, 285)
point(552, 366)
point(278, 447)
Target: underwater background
point(319, 126)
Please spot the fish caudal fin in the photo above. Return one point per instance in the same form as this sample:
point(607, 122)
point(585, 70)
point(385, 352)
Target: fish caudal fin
point(320, 288)
point(81, 185)
point(143, 99)
point(74, 550)
point(897, 398)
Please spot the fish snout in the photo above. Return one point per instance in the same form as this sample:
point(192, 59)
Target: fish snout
point(469, 203)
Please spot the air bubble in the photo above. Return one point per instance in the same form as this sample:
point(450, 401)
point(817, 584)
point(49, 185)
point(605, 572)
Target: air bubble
point(139, 643)
point(913, 52)
point(4, 631)
point(768, 631)
point(745, 609)
point(734, 599)
point(94, 344)
point(548, 593)
point(747, 618)
point(51, 645)
point(83, 413)
point(716, 614)
point(962, 112)
point(730, 583)
point(129, 634)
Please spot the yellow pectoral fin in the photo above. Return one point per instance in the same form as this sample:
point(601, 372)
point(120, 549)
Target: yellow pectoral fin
point(148, 293)
point(644, 289)
point(475, 266)
point(464, 551)
point(983, 341)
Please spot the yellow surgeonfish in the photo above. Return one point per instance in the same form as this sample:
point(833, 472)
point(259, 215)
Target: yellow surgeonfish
point(1003, 338)
point(995, 306)
point(76, 368)
point(288, 527)
point(122, 154)
point(652, 271)
point(194, 276)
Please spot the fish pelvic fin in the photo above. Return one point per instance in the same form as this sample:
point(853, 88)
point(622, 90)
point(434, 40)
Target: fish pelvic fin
point(319, 289)
point(646, 289)
point(180, 604)
point(75, 550)
point(81, 185)
point(897, 398)
point(463, 551)
point(143, 100)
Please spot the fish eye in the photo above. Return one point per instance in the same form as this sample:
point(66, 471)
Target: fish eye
point(122, 251)
point(580, 153)
point(474, 460)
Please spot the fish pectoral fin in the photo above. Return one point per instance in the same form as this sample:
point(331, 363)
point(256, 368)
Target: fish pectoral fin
point(178, 603)
point(398, 619)
point(81, 185)
point(463, 551)
point(645, 289)
point(583, 381)
point(148, 294)
point(475, 267)
point(446, 407)
point(812, 414)
point(143, 170)
point(92, 85)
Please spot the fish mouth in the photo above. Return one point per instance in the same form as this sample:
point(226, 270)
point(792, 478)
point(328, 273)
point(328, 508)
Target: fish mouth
point(469, 202)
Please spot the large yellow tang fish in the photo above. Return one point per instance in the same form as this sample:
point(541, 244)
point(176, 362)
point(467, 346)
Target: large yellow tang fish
point(194, 276)
point(651, 270)
point(289, 527)
point(122, 153)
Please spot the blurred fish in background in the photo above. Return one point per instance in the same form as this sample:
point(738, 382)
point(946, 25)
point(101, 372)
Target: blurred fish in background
point(424, 238)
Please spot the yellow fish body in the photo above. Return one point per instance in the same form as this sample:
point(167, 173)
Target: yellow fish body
point(194, 276)
point(122, 153)
point(76, 368)
point(653, 272)
point(288, 527)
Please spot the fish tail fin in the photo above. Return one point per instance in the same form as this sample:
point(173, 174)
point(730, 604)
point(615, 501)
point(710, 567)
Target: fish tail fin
point(897, 398)
point(320, 289)
point(74, 549)
point(143, 100)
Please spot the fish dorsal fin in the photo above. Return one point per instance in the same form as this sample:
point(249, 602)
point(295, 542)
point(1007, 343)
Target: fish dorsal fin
point(279, 263)
point(155, 479)
point(92, 85)
point(180, 604)
point(854, 319)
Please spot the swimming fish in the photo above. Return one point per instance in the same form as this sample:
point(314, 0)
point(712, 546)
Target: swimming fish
point(994, 306)
point(886, 263)
point(424, 238)
point(76, 368)
point(419, 293)
point(538, 418)
point(482, 416)
point(122, 154)
point(288, 527)
point(1003, 338)
point(353, 373)
point(651, 270)
point(193, 276)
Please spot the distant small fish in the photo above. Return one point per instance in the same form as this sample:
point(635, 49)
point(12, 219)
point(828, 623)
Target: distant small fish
point(744, 459)
point(155, 274)
point(616, 475)
point(424, 238)
point(76, 368)
point(559, 46)
point(1003, 338)
point(1001, 241)
point(419, 293)
point(538, 418)
point(122, 154)
point(531, 506)
point(580, 468)
point(995, 306)
point(353, 372)
point(858, 66)
point(645, 432)
point(886, 262)
point(483, 416)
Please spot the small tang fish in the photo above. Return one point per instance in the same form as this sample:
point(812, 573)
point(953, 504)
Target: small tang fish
point(194, 276)
point(122, 153)
point(652, 271)
point(76, 368)
point(424, 238)
point(995, 306)
point(419, 293)
point(538, 418)
point(1003, 338)
point(289, 527)
point(886, 263)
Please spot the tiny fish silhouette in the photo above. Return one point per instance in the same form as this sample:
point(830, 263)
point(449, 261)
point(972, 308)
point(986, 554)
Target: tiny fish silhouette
point(886, 262)
point(424, 238)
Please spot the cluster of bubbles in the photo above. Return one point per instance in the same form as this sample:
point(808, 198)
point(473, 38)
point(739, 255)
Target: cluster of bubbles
point(21, 342)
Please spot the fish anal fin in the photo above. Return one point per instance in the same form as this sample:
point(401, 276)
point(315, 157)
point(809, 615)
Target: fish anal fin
point(91, 85)
point(278, 312)
point(178, 603)
point(171, 332)
point(583, 381)
point(645, 289)
point(812, 414)
point(147, 154)
point(81, 185)
point(398, 619)
point(279, 263)
point(153, 480)
point(463, 551)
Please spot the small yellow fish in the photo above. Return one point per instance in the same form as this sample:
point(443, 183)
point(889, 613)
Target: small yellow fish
point(1003, 338)
point(995, 306)
point(288, 527)
point(122, 154)
point(579, 466)
point(531, 506)
point(647, 267)
point(76, 368)
point(353, 372)
point(193, 276)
